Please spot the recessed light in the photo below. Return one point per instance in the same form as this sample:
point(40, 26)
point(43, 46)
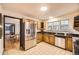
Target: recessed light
point(43, 8)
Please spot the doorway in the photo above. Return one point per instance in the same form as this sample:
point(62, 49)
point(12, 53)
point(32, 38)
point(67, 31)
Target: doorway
point(12, 32)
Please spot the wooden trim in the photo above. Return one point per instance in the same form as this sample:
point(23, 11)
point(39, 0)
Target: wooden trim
point(1, 19)
point(11, 24)
point(4, 28)
point(22, 34)
point(4, 33)
point(12, 17)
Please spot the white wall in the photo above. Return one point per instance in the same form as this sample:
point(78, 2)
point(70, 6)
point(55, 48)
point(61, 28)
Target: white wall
point(15, 14)
point(19, 15)
point(1, 40)
point(70, 17)
point(0, 8)
point(71, 22)
point(14, 21)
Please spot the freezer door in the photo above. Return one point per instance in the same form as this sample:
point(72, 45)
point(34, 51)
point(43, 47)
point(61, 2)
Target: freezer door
point(30, 38)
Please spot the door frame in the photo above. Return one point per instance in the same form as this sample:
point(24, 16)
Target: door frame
point(4, 16)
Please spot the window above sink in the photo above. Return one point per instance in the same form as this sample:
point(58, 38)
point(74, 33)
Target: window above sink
point(59, 26)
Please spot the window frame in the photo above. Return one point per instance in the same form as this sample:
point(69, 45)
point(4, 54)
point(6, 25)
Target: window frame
point(62, 25)
point(49, 26)
point(57, 25)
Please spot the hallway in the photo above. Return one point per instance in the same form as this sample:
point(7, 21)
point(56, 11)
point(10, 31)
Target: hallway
point(40, 49)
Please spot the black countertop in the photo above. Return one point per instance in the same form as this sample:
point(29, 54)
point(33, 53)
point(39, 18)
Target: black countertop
point(61, 34)
point(46, 32)
point(74, 35)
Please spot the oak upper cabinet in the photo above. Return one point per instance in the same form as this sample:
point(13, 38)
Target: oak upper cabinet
point(46, 38)
point(45, 24)
point(40, 25)
point(69, 45)
point(39, 37)
point(52, 39)
point(76, 23)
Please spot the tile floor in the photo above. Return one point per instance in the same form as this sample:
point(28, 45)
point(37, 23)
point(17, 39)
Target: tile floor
point(40, 49)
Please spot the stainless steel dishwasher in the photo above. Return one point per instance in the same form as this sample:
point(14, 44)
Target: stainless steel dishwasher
point(60, 40)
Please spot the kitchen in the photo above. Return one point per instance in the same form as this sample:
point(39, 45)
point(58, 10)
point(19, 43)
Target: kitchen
point(61, 32)
point(45, 26)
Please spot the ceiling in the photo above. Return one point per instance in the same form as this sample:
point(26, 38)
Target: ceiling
point(33, 9)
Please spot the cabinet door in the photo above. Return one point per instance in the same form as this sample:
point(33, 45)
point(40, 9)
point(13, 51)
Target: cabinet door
point(69, 44)
point(52, 39)
point(39, 37)
point(46, 38)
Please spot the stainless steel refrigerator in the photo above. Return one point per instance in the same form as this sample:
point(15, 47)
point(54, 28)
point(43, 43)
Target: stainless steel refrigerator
point(30, 34)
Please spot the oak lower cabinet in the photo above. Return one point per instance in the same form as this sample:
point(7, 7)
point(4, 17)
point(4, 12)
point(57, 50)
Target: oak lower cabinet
point(46, 38)
point(52, 39)
point(39, 37)
point(69, 45)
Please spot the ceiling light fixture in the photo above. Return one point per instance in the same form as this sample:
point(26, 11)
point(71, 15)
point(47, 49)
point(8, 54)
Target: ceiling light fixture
point(43, 8)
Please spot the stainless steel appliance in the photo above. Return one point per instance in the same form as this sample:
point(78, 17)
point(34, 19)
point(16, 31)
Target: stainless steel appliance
point(30, 40)
point(74, 38)
point(60, 40)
